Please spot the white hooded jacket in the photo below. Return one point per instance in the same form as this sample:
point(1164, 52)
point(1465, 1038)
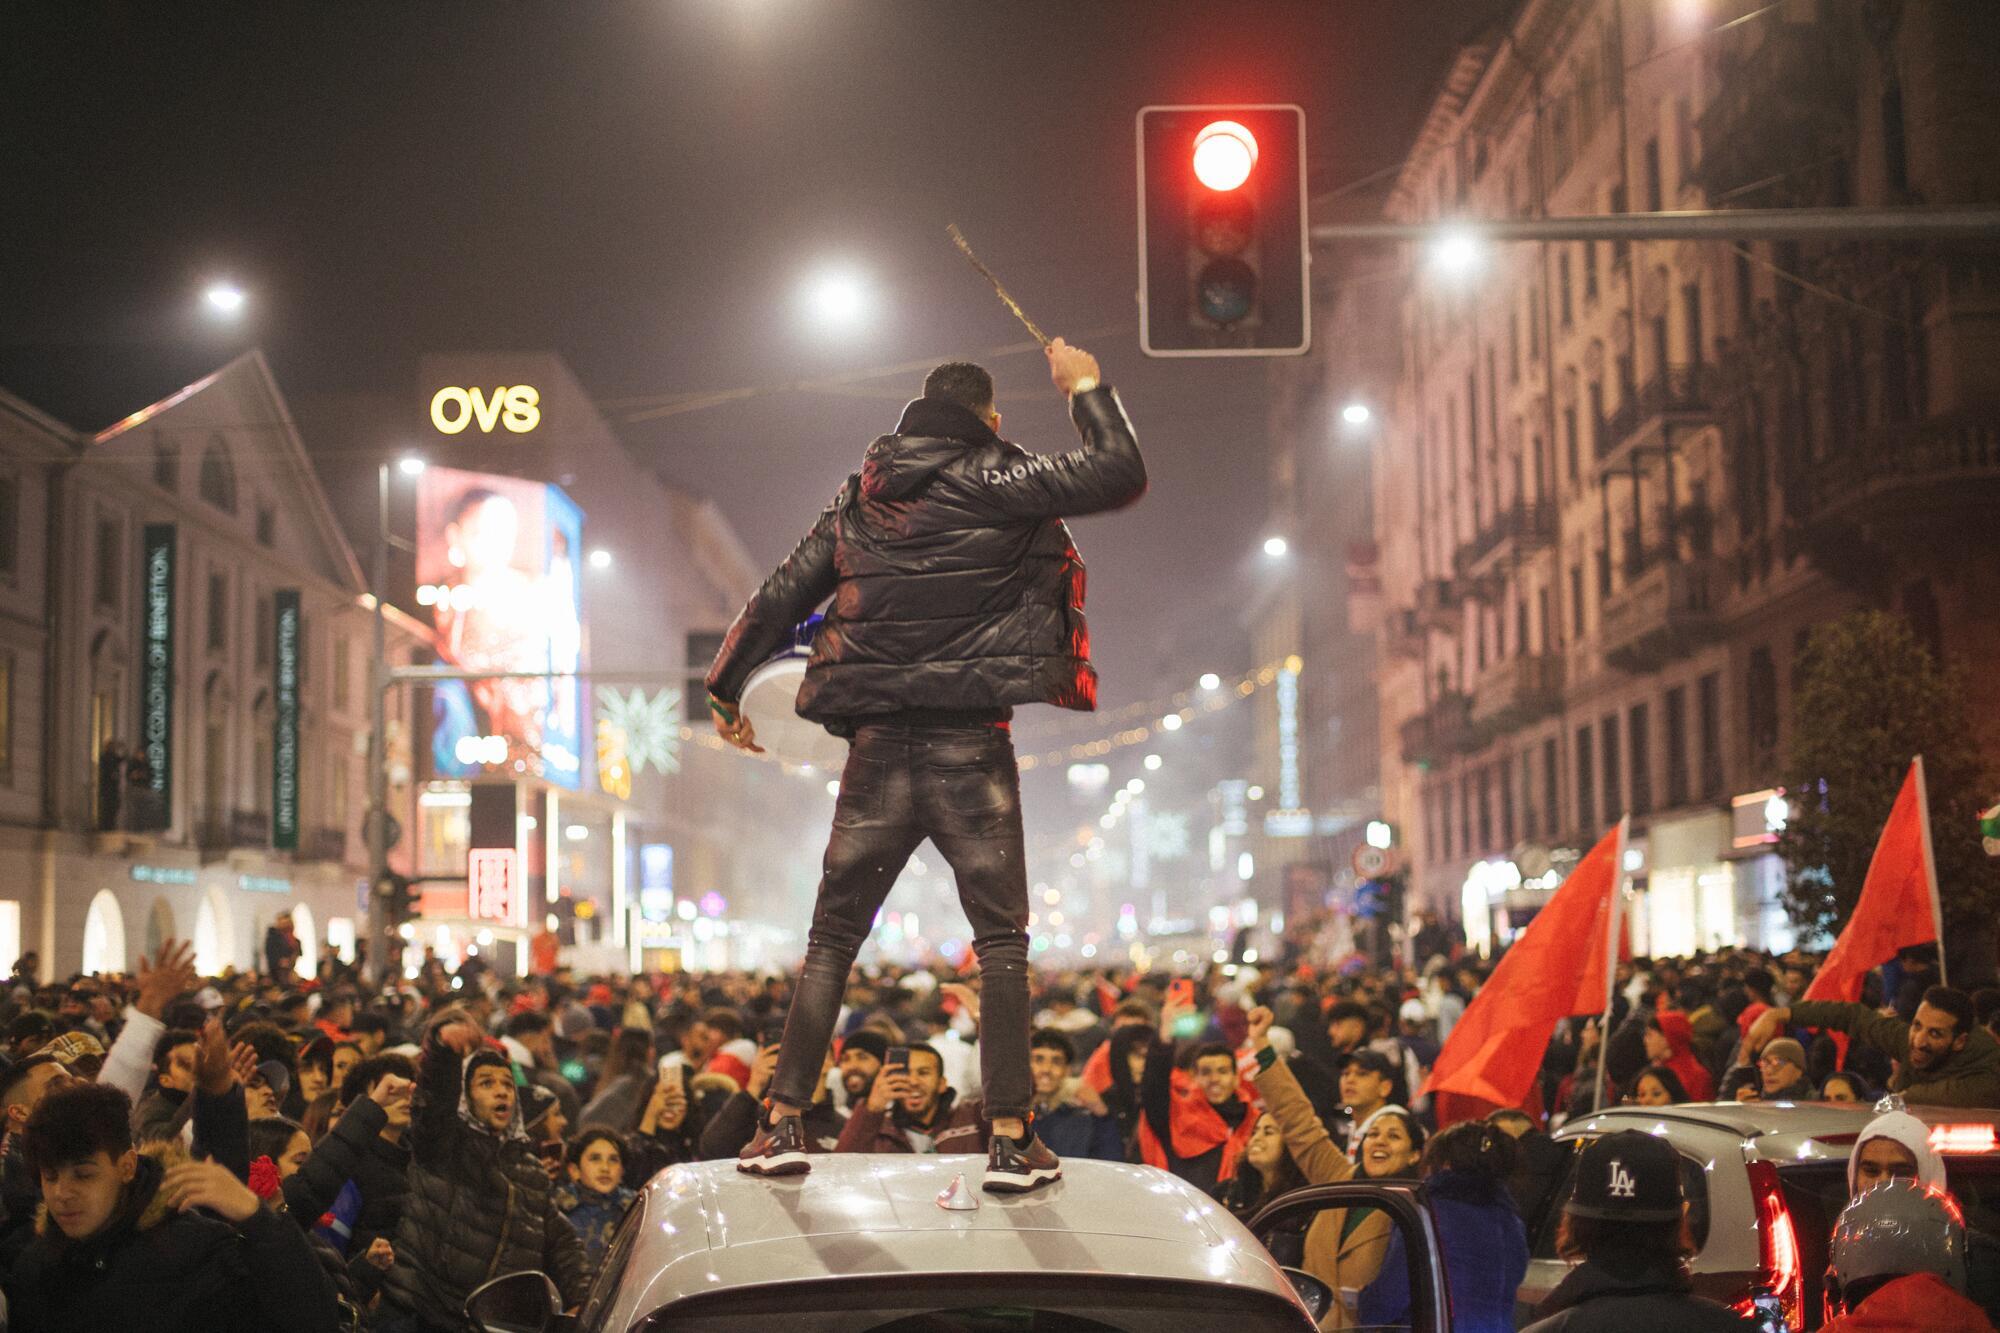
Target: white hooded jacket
point(1909, 1131)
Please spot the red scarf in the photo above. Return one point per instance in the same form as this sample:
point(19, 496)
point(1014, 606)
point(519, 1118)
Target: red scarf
point(1197, 1127)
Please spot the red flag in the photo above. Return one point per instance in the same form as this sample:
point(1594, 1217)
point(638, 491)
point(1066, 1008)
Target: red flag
point(1557, 968)
point(1898, 904)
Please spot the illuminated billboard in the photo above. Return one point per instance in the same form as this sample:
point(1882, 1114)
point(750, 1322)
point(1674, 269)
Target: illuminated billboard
point(499, 572)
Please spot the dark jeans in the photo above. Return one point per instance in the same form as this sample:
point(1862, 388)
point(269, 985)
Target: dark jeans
point(958, 787)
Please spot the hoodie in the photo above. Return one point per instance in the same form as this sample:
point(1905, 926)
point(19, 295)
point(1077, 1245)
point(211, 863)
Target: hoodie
point(1674, 1026)
point(1920, 1301)
point(1913, 1134)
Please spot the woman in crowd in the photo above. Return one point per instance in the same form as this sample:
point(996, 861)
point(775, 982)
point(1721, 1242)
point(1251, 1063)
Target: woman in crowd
point(1344, 1247)
point(625, 1082)
point(1656, 1085)
point(1485, 1246)
point(1844, 1085)
point(1127, 1059)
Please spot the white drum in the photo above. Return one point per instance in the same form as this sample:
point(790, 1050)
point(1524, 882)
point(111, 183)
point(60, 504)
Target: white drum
point(770, 701)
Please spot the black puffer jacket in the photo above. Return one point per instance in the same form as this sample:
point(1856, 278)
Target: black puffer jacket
point(1595, 1299)
point(478, 1206)
point(955, 584)
point(354, 1149)
point(167, 1272)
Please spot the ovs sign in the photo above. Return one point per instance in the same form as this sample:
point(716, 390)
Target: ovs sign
point(517, 409)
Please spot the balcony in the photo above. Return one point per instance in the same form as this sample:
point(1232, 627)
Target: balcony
point(217, 832)
point(1925, 473)
point(1442, 730)
point(1437, 604)
point(1522, 526)
point(1783, 99)
point(1680, 396)
point(324, 844)
point(1517, 691)
point(1665, 612)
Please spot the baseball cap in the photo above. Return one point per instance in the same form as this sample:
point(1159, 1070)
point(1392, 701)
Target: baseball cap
point(1630, 1176)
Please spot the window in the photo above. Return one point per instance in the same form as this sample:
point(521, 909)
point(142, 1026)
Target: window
point(1603, 571)
point(1505, 771)
point(1655, 200)
point(1677, 765)
point(1542, 615)
point(267, 630)
point(1485, 799)
point(1589, 271)
point(106, 571)
point(1607, 735)
point(1691, 316)
point(166, 464)
point(6, 717)
point(1551, 780)
point(1708, 709)
point(1761, 700)
point(1513, 347)
point(218, 612)
point(1586, 783)
point(1746, 292)
point(10, 526)
point(267, 526)
point(1565, 305)
point(1639, 747)
point(1465, 815)
point(1599, 428)
point(1534, 324)
point(1570, 458)
point(218, 476)
point(1684, 141)
point(336, 787)
point(1575, 602)
point(342, 666)
point(1895, 150)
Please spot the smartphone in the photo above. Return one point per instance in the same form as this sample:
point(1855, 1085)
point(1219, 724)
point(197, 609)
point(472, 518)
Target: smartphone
point(898, 1058)
point(1181, 992)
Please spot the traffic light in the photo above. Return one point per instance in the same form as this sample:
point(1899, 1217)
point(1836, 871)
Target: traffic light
point(1223, 243)
point(397, 897)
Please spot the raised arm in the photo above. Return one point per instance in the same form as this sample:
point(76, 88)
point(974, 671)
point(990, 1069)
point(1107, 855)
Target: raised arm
point(1106, 473)
point(788, 596)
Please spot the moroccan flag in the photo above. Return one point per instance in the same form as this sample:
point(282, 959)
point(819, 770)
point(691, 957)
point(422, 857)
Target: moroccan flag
point(1898, 904)
point(1557, 968)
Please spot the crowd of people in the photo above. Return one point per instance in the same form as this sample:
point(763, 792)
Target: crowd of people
point(256, 1152)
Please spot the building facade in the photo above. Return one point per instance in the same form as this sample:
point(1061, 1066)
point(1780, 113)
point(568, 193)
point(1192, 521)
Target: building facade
point(1619, 483)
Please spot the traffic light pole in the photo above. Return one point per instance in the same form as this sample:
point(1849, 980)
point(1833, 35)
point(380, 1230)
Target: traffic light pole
point(376, 826)
point(1728, 224)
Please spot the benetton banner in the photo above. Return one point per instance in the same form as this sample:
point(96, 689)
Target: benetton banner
point(157, 578)
point(285, 748)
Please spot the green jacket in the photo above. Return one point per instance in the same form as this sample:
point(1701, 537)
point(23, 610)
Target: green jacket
point(1970, 1077)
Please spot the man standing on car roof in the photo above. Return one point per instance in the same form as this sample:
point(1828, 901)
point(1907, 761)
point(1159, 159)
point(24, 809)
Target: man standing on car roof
point(1943, 1057)
point(957, 594)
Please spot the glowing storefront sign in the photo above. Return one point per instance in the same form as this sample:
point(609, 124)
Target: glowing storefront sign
point(516, 409)
point(492, 884)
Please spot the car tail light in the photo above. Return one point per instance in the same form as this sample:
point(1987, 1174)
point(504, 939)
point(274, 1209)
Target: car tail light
point(1777, 1244)
point(1964, 1138)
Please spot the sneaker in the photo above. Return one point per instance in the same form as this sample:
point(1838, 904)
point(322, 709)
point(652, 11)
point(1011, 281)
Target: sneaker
point(1012, 1168)
point(776, 1149)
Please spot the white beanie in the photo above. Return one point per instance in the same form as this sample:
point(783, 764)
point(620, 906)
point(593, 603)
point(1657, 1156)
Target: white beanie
point(1909, 1131)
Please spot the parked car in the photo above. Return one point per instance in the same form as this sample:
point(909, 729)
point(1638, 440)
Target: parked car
point(867, 1243)
point(1765, 1182)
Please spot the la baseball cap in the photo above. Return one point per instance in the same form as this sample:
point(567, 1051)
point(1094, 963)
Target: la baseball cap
point(1630, 1176)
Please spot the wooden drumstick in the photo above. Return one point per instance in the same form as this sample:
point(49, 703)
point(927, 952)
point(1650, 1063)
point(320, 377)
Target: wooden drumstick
point(998, 290)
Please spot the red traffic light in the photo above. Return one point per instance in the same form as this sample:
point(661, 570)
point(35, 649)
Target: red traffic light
point(1224, 153)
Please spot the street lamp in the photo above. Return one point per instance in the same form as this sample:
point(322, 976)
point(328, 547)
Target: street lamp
point(1210, 681)
point(410, 465)
point(1356, 414)
point(600, 559)
point(1457, 251)
point(224, 299)
point(837, 299)
point(1275, 547)
point(375, 828)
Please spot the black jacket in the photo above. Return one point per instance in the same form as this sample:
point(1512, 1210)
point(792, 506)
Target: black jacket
point(735, 1123)
point(1594, 1300)
point(152, 1268)
point(955, 584)
point(355, 1150)
point(478, 1206)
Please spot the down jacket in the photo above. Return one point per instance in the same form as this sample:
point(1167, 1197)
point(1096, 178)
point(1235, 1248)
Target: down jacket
point(355, 1150)
point(479, 1206)
point(955, 584)
point(166, 1272)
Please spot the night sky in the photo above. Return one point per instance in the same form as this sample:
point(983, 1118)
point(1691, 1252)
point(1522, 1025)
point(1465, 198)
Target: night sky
point(644, 187)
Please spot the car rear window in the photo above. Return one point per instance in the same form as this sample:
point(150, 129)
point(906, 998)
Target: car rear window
point(979, 1303)
point(1547, 1224)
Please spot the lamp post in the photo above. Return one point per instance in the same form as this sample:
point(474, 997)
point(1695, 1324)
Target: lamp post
point(375, 828)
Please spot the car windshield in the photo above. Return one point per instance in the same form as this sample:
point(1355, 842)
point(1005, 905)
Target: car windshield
point(982, 1303)
point(1817, 1192)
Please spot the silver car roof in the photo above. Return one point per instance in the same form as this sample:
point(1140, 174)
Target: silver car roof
point(1773, 1131)
point(708, 1227)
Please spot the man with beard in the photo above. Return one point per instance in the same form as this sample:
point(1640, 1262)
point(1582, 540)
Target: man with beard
point(1943, 1057)
point(910, 1108)
point(861, 1057)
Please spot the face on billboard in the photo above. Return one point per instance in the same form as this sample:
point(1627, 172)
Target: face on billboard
point(497, 573)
